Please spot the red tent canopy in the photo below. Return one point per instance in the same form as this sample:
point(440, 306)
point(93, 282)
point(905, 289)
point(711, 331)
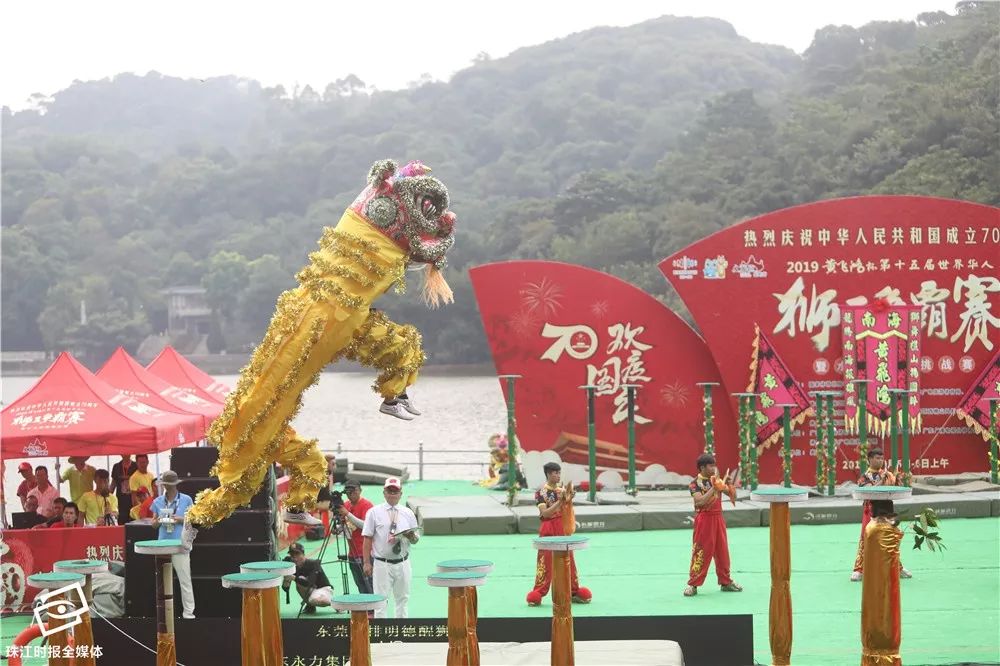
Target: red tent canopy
point(181, 372)
point(125, 373)
point(69, 411)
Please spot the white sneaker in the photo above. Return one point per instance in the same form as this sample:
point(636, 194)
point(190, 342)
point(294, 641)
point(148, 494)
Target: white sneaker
point(396, 410)
point(187, 616)
point(407, 404)
point(188, 533)
point(856, 576)
point(301, 518)
point(904, 573)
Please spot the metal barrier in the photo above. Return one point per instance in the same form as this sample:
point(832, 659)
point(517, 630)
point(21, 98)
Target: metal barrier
point(420, 457)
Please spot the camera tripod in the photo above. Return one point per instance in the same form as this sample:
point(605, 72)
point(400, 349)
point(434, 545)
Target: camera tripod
point(338, 531)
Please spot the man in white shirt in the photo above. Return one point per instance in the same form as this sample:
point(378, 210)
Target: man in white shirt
point(389, 531)
point(44, 492)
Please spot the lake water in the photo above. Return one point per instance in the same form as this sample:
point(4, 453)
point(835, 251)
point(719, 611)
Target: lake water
point(459, 413)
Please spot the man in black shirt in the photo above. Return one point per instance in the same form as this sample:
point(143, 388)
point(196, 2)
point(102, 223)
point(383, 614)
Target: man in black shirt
point(310, 580)
point(120, 474)
point(30, 516)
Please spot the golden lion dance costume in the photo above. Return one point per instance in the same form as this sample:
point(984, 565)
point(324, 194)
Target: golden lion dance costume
point(400, 218)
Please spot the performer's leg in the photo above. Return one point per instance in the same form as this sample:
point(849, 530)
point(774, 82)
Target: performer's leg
point(579, 593)
point(722, 552)
point(306, 468)
point(543, 577)
point(182, 569)
point(382, 584)
point(702, 549)
point(392, 349)
point(304, 336)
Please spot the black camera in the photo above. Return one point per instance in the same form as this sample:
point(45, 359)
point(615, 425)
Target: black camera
point(336, 499)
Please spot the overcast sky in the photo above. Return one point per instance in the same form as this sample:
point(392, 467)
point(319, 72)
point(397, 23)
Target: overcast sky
point(46, 44)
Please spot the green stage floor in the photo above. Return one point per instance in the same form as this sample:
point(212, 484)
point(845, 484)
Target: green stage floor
point(951, 607)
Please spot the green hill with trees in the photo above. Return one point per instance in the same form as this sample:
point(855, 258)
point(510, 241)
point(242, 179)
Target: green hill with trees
point(610, 148)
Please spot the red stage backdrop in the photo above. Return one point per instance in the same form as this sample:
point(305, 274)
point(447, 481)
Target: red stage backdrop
point(26, 552)
point(795, 271)
point(562, 326)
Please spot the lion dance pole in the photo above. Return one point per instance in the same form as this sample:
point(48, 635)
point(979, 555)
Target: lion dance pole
point(400, 218)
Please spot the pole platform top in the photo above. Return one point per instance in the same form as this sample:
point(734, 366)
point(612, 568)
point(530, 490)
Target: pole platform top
point(786, 404)
point(358, 602)
point(707, 384)
point(882, 493)
point(587, 386)
point(510, 376)
point(280, 567)
point(84, 567)
point(54, 580)
point(563, 543)
point(479, 566)
point(160, 547)
point(456, 579)
point(255, 580)
point(745, 395)
point(779, 495)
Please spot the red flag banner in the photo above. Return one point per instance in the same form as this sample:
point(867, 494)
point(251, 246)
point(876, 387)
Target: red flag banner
point(881, 344)
point(774, 386)
point(974, 407)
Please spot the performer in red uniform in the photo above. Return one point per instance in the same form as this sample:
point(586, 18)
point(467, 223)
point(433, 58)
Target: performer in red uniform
point(555, 506)
point(709, 527)
point(877, 475)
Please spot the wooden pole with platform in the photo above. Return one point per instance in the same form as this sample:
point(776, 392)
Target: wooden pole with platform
point(562, 614)
point(84, 633)
point(58, 608)
point(460, 648)
point(257, 646)
point(780, 609)
point(161, 550)
point(472, 601)
point(359, 606)
point(271, 603)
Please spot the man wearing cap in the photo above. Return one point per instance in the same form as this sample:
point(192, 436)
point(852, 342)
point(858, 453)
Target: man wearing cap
point(80, 477)
point(168, 514)
point(28, 474)
point(310, 580)
point(388, 532)
point(353, 513)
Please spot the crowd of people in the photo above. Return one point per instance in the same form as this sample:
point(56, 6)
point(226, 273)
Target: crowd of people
point(96, 497)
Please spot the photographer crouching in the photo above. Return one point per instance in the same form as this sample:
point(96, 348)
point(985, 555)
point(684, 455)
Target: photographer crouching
point(310, 580)
point(353, 512)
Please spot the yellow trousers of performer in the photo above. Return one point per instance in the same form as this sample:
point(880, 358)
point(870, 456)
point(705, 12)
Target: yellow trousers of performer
point(327, 317)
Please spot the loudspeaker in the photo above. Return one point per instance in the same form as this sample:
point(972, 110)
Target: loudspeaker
point(213, 600)
point(219, 559)
point(190, 461)
point(244, 526)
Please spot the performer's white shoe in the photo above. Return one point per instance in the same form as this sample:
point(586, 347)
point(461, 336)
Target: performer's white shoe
point(905, 573)
point(397, 410)
point(301, 518)
point(855, 576)
point(188, 533)
point(407, 404)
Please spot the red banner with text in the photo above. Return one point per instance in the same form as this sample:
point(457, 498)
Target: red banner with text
point(793, 270)
point(561, 326)
point(26, 552)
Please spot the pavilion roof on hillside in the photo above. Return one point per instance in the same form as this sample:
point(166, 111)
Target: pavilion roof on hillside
point(70, 411)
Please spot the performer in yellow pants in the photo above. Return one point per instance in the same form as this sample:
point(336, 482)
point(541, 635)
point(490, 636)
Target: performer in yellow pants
point(400, 218)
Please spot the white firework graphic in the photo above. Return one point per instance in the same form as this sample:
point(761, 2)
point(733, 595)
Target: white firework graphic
point(524, 323)
point(600, 309)
point(675, 394)
point(543, 295)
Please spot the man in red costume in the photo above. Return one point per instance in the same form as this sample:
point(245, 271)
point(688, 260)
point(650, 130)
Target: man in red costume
point(710, 540)
point(877, 475)
point(555, 506)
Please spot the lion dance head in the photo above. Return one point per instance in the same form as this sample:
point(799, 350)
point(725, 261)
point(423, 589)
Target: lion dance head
point(411, 208)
